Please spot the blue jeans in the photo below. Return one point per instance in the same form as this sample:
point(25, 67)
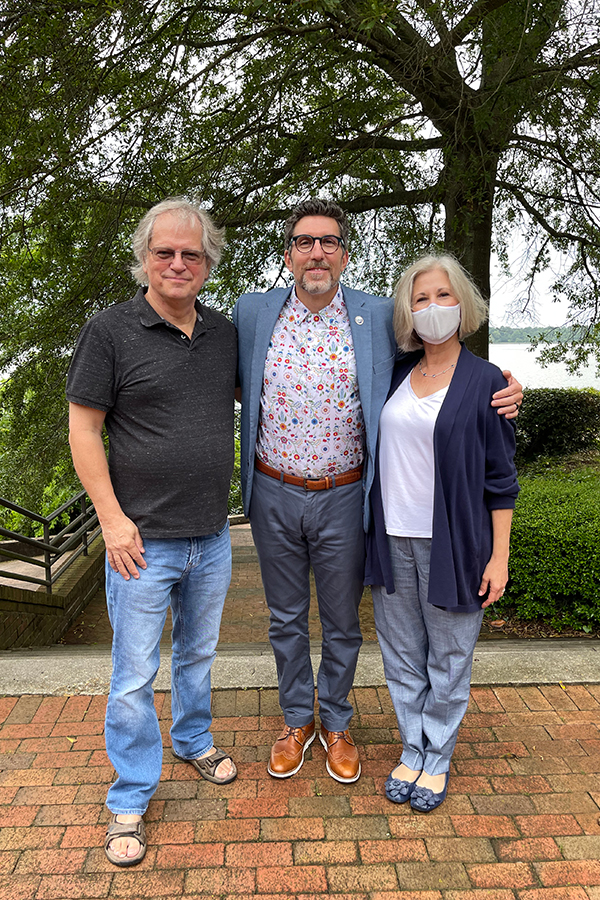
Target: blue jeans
point(191, 575)
point(427, 658)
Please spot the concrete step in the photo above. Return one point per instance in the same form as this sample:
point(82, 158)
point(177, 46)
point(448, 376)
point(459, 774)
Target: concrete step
point(86, 669)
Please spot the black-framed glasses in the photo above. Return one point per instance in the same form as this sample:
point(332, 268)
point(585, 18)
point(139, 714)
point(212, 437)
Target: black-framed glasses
point(305, 242)
point(189, 257)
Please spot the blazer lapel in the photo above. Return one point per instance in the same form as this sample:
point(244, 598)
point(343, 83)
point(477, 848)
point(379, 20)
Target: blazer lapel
point(360, 325)
point(266, 319)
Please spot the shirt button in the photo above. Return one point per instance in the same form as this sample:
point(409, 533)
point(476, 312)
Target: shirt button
point(183, 336)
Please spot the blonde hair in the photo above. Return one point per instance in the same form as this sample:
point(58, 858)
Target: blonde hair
point(473, 308)
point(213, 237)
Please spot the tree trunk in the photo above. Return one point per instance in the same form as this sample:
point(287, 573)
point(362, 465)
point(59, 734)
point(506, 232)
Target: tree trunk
point(468, 203)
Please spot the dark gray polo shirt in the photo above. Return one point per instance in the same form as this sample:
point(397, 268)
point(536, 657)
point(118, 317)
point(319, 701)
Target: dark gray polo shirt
point(169, 413)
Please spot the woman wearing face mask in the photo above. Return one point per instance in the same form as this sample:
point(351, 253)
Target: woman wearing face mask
point(442, 501)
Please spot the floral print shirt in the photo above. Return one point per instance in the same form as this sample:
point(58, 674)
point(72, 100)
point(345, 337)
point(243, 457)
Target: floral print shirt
point(311, 421)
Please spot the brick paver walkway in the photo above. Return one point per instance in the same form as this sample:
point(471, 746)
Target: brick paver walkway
point(245, 614)
point(520, 821)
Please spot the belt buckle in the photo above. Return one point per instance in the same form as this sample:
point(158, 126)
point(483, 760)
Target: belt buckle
point(314, 484)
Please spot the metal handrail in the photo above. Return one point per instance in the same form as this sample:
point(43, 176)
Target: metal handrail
point(52, 547)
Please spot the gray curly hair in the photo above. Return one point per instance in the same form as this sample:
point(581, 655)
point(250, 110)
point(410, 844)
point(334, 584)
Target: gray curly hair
point(213, 237)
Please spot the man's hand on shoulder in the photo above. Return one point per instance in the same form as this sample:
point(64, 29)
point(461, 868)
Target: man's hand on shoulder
point(509, 398)
point(124, 547)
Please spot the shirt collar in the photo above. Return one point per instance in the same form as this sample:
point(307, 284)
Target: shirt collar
point(148, 315)
point(301, 313)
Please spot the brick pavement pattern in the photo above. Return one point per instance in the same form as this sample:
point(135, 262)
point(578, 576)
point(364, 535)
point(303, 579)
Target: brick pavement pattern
point(245, 614)
point(520, 821)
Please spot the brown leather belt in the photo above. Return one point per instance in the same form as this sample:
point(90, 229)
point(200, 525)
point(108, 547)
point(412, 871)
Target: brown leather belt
point(311, 484)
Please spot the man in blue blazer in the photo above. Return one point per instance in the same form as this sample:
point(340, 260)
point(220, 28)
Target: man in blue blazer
point(315, 362)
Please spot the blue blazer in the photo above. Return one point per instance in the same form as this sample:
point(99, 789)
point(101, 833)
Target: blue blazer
point(475, 473)
point(255, 316)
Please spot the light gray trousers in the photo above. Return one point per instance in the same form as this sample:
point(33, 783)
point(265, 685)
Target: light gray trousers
point(427, 657)
point(294, 530)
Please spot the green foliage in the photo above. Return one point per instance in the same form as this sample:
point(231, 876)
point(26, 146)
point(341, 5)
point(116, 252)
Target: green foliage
point(555, 421)
point(555, 552)
point(574, 346)
point(235, 491)
point(35, 466)
point(455, 124)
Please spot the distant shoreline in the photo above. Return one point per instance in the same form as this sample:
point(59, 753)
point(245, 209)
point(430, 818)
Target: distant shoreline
point(553, 333)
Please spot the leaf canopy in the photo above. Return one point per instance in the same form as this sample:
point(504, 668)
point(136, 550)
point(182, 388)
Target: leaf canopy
point(459, 123)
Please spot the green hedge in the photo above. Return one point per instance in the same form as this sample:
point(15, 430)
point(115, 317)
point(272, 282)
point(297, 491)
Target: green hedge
point(557, 421)
point(555, 550)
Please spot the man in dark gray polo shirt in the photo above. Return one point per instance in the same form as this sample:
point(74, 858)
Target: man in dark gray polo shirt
point(158, 372)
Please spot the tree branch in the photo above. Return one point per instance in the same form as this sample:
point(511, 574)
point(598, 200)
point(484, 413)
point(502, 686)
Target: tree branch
point(537, 216)
point(358, 205)
point(473, 18)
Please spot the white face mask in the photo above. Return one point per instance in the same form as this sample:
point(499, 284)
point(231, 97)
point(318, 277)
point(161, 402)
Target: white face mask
point(435, 324)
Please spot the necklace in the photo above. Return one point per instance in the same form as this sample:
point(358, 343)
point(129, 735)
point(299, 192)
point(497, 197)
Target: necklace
point(428, 375)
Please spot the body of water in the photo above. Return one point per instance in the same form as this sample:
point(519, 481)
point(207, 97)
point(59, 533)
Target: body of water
point(525, 367)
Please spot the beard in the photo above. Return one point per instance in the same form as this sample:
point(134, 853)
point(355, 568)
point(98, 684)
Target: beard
point(318, 287)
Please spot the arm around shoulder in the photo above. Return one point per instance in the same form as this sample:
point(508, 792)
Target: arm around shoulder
point(509, 398)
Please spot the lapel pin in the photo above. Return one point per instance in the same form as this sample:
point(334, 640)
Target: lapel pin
point(359, 320)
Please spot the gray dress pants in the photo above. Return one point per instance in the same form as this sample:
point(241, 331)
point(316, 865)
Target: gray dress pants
point(294, 529)
point(427, 657)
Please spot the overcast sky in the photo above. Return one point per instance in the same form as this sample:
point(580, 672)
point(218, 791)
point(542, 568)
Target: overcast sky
point(510, 304)
point(509, 298)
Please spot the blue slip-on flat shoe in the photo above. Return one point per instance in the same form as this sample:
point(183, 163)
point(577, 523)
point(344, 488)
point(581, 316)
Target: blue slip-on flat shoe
point(399, 791)
point(424, 800)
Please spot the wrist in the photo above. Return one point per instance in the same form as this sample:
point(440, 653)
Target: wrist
point(110, 518)
point(499, 558)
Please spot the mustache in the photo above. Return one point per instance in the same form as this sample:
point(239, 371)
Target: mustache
point(322, 265)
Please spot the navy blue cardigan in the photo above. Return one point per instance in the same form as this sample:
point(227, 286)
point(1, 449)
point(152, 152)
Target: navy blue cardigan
point(474, 451)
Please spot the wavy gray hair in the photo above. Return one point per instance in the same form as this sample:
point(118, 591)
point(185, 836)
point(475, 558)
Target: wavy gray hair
point(213, 237)
point(473, 308)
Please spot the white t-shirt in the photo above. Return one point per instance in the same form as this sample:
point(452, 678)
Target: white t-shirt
point(406, 460)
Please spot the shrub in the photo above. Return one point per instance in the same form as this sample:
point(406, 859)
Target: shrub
point(234, 505)
point(557, 421)
point(555, 551)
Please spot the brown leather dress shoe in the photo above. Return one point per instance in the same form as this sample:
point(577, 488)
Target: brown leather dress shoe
point(343, 763)
point(287, 753)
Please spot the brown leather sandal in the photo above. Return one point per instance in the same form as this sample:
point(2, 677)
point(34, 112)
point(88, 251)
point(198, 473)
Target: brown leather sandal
point(207, 766)
point(115, 830)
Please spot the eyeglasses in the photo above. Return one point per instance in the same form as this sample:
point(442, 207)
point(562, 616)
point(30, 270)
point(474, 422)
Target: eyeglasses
point(189, 257)
point(305, 242)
